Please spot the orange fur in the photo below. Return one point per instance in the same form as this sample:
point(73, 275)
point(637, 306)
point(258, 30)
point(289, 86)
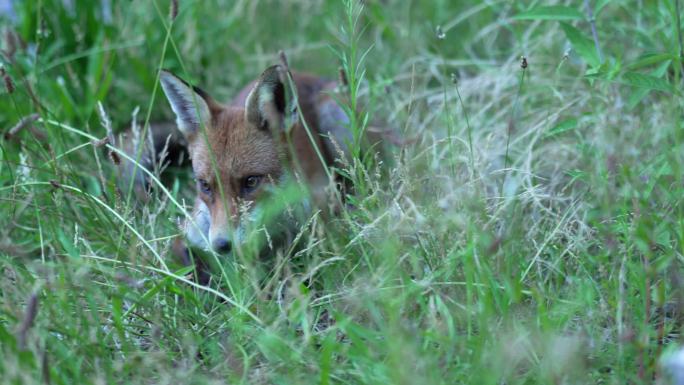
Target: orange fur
point(248, 141)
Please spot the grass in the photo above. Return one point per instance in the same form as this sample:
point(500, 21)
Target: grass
point(529, 231)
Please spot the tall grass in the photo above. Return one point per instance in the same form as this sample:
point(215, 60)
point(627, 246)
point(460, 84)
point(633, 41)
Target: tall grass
point(528, 229)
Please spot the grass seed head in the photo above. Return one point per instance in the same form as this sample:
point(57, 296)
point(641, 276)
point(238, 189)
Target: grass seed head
point(174, 10)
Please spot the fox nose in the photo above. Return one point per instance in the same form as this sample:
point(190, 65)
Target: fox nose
point(222, 245)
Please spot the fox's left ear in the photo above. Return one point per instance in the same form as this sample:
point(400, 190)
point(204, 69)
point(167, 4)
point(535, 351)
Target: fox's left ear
point(271, 105)
point(191, 105)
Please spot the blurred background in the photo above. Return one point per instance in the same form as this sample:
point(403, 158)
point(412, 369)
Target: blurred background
point(526, 229)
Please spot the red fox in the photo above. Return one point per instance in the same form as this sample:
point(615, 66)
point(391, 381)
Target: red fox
point(239, 149)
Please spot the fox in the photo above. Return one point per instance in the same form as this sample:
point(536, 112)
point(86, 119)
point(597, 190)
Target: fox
point(282, 127)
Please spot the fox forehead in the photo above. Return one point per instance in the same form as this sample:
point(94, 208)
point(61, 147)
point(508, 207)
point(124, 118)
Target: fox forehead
point(239, 148)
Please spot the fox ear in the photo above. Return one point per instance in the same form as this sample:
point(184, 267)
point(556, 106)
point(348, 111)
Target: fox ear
point(271, 104)
point(190, 104)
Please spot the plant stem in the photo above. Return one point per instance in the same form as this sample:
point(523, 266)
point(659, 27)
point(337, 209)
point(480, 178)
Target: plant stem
point(592, 22)
point(513, 113)
point(470, 133)
point(679, 34)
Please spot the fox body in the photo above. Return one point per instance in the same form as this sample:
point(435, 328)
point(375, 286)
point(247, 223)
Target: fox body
point(240, 150)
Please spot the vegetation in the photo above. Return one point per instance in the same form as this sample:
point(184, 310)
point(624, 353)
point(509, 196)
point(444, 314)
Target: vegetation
point(528, 230)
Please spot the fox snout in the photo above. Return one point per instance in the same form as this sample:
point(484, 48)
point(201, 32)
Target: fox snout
point(212, 230)
point(221, 234)
point(222, 245)
point(220, 237)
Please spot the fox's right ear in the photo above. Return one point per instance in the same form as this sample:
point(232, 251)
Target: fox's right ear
point(190, 104)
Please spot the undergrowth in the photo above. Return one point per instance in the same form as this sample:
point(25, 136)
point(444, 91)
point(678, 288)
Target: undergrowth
point(527, 228)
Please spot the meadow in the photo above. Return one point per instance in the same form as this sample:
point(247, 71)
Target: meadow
point(527, 228)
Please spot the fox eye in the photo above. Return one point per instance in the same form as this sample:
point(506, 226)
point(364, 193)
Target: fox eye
point(250, 183)
point(204, 186)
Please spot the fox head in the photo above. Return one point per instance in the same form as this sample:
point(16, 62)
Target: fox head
point(236, 151)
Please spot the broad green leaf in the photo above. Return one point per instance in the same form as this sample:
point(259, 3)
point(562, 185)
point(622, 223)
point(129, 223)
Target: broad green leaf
point(605, 71)
point(599, 7)
point(660, 70)
point(640, 93)
point(636, 97)
point(93, 186)
point(648, 60)
point(8, 340)
point(583, 45)
point(556, 12)
point(67, 244)
point(649, 82)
